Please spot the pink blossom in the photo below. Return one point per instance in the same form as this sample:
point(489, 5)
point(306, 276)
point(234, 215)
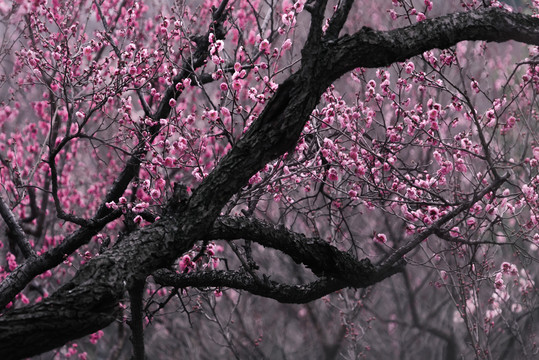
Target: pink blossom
point(475, 86)
point(225, 115)
point(219, 45)
point(111, 205)
point(490, 209)
point(216, 59)
point(11, 260)
point(169, 161)
point(74, 128)
point(264, 46)
point(455, 231)
point(443, 274)
point(508, 268)
point(536, 152)
point(516, 308)
point(511, 121)
point(87, 51)
point(298, 5)
point(361, 170)
point(528, 192)
point(140, 207)
point(498, 283)
point(186, 264)
point(24, 299)
point(326, 25)
point(96, 336)
point(433, 212)
point(289, 19)
point(237, 85)
point(409, 67)
point(332, 175)
point(155, 193)
point(287, 44)
point(380, 238)
point(213, 115)
point(460, 165)
point(255, 179)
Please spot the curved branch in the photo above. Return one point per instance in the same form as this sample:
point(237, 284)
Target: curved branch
point(290, 294)
point(372, 48)
point(322, 258)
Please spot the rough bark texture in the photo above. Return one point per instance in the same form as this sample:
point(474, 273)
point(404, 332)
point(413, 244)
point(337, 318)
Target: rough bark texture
point(371, 48)
point(292, 294)
point(322, 258)
point(90, 300)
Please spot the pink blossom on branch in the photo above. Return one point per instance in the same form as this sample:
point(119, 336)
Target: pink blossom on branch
point(380, 238)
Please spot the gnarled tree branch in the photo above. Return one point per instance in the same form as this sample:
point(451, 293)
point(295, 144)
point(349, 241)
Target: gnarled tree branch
point(291, 294)
point(322, 258)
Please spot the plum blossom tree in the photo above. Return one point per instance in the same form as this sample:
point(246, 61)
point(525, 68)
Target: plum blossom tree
point(165, 159)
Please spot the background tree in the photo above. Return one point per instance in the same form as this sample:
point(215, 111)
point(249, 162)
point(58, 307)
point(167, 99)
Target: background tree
point(162, 158)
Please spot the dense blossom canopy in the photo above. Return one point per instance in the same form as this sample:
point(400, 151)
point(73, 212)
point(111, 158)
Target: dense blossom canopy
point(153, 156)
